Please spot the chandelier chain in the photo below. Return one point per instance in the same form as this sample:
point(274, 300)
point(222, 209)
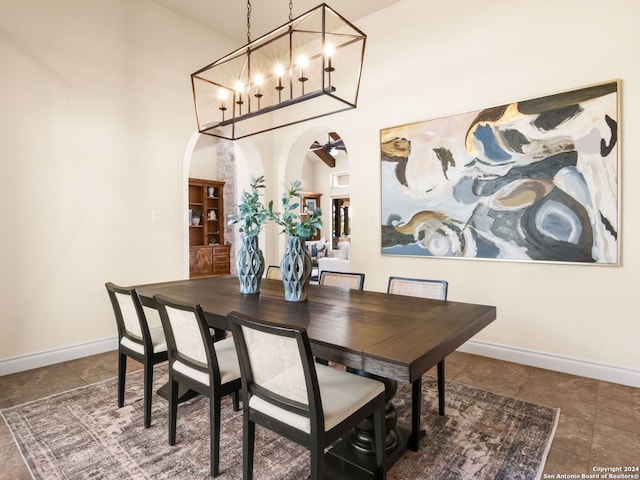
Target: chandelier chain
point(290, 10)
point(249, 8)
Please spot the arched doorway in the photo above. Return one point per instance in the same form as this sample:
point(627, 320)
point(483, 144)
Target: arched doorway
point(326, 167)
point(213, 158)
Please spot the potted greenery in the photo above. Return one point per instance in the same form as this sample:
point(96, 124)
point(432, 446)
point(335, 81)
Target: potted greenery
point(251, 216)
point(296, 266)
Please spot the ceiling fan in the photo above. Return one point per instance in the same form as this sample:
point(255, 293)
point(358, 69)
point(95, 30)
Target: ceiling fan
point(327, 151)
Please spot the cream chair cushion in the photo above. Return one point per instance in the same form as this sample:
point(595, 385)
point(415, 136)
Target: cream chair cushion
point(342, 394)
point(227, 361)
point(157, 340)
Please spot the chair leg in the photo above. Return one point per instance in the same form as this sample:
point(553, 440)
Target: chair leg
point(441, 387)
point(173, 411)
point(148, 387)
point(248, 440)
point(122, 374)
point(236, 401)
point(379, 431)
point(214, 426)
point(317, 461)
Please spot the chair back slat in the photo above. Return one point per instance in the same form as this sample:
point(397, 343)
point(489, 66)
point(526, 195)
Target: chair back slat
point(415, 287)
point(129, 314)
point(354, 281)
point(275, 364)
point(273, 272)
point(186, 334)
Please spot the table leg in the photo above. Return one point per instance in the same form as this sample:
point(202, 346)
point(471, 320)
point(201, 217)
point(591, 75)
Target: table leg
point(184, 393)
point(358, 446)
point(362, 437)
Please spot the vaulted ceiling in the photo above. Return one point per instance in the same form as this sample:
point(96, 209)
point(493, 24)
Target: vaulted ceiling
point(229, 17)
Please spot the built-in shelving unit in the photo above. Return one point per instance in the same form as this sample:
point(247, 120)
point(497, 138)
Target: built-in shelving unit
point(208, 253)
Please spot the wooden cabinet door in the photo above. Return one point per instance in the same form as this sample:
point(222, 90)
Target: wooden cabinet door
point(200, 261)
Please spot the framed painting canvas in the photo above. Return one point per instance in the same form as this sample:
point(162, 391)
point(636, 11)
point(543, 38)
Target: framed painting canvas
point(534, 180)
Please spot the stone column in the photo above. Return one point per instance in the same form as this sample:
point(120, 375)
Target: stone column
point(227, 172)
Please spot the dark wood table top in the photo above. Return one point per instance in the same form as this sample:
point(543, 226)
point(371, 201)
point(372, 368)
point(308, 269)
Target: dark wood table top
point(393, 336)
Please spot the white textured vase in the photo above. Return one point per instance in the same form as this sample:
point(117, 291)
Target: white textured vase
point(250, 265)
point(295, 269)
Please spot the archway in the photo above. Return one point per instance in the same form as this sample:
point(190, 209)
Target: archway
point(213, 158)
point(321, 175)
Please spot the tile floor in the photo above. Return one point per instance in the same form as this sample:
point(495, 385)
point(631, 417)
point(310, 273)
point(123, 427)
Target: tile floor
point(599, 421)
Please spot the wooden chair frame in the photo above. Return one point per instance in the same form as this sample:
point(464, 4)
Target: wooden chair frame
point(215, 390)
point(318, 439)
point(273, 272)
point(148, 359)
point(443, 296)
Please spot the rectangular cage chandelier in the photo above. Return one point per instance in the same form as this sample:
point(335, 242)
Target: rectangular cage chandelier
point(308, 68)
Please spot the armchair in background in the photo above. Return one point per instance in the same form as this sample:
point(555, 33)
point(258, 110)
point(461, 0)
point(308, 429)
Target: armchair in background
point(339, 261)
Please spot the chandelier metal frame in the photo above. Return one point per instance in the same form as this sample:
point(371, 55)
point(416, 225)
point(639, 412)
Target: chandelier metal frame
point(307, 68)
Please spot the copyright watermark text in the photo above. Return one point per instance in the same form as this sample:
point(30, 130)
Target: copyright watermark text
point(600, 473)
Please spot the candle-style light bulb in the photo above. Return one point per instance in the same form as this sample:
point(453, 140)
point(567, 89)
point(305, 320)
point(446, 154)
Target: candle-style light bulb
point(258, 81)
point(329, 50)
point(222, 96)
point(302, 63)
point(279, 72)
point(328, 54)
point(239, 87)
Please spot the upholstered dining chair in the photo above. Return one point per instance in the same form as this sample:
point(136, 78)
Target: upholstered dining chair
point(285, 391)
point(273, 272)
point(354, 281)
point(136, 340)
point(200, 364)
point(416, 287)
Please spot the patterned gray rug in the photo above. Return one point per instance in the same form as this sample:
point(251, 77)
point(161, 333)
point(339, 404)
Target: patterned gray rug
point(82, 434)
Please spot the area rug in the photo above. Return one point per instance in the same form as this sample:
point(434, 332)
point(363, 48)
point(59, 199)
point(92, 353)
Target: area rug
point(81, 434)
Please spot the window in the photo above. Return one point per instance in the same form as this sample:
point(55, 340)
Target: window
point(340, 180)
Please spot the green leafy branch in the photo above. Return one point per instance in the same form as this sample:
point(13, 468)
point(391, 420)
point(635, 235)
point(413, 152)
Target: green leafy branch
point(291, 222)
point(252, 214)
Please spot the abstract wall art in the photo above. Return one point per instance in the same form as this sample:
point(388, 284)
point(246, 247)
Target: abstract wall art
point(534, 180)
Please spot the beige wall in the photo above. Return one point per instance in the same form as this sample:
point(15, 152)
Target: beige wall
point(446, 58)
point(96, 115)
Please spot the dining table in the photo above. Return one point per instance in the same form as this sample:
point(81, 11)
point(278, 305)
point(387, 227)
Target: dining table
point(389, 336)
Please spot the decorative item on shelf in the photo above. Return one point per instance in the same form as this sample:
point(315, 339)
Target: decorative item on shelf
point(251, 216)
point(212, 215)
point(296, 265)
point(195, 216)
point(315, 58)
point(310, 204)
point(210, 191)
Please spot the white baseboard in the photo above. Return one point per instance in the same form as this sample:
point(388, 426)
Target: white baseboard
point(56, 355)
point(551, 361)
